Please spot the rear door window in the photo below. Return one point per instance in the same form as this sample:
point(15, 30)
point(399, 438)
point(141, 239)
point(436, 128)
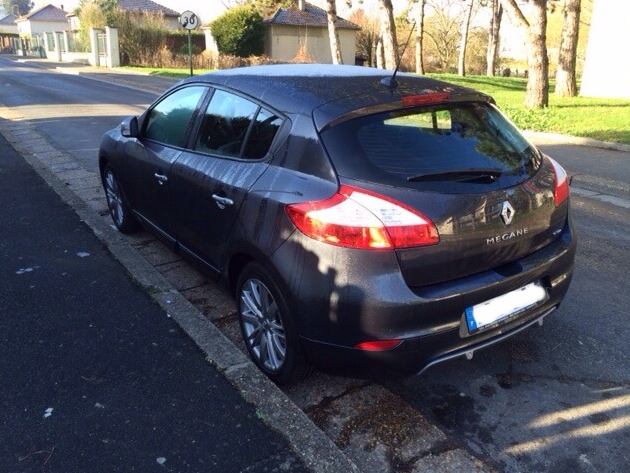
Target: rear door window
point(236, 127)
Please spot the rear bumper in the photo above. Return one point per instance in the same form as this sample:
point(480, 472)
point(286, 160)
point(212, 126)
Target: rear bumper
point(374, 303)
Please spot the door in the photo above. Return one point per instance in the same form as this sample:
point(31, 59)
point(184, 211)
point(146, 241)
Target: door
point(162, 141)
point(211, 181)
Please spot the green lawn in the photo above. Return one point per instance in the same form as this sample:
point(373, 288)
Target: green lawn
point(601, 119)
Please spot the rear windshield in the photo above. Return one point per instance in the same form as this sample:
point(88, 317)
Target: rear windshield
point(465, 143)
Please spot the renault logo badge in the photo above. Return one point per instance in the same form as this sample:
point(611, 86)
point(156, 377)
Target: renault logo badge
point(507, 212)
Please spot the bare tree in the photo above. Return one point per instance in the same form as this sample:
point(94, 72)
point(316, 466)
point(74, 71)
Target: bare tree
point(461, 63)
point(420, 36)
point(493, 37)
point(388, 34)
point(331, 13)
point(537, 94)
point(566, 85)
point(367, 36)
point(443, 31)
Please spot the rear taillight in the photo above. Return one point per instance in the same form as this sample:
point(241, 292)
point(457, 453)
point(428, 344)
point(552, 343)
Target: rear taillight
point(356, 218)
point(561, 183)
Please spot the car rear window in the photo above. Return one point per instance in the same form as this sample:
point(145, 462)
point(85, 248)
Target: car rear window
point(432, 145)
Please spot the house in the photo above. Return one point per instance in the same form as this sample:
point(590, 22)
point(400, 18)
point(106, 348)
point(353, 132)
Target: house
point(41, 21)
point(8, 32)
point(171, 17)
point(301, 31)
point(40, 27)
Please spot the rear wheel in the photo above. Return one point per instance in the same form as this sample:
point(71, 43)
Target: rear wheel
point(267, 327)
point(118, 208)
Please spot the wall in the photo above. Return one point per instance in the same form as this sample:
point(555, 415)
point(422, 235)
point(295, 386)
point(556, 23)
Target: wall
point(284, 42)
point(36, 28)
point(607, 68)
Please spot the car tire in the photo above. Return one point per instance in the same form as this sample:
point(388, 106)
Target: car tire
point(118, 208)
point(267, 327)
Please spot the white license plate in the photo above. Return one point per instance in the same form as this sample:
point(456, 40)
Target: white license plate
point(504, 306)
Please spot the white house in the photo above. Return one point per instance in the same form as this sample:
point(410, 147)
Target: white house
point(42, 28)
point(43, 20)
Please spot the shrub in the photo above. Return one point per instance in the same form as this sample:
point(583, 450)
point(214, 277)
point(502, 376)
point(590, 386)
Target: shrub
point(141, 37)
point(239, 32)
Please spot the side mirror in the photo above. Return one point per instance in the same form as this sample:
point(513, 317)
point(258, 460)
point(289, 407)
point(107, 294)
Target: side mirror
point(129, 127)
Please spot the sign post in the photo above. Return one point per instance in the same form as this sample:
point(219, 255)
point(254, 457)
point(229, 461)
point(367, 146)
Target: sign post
point(189, 21)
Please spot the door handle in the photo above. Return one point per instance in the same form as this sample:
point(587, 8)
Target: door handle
point(160, 177)
point(222, 202)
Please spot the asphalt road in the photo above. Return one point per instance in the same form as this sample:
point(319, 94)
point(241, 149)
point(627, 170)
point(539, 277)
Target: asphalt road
point(69, 110)
point(95, 376)
point(554, 398)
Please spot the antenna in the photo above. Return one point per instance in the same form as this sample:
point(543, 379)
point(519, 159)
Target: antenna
point(390, 82)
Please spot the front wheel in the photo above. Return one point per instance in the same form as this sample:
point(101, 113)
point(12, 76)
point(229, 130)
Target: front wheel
point(118, 208)
point(267, 327)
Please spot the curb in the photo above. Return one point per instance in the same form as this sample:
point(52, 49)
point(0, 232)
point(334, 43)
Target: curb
point(579, 141)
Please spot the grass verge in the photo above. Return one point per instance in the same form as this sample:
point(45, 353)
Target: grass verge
point(597, 118)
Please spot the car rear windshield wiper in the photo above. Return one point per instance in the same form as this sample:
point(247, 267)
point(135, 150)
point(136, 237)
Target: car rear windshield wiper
point(458, 174)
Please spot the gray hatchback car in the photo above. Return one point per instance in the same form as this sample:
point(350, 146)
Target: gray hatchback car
point(364, 225)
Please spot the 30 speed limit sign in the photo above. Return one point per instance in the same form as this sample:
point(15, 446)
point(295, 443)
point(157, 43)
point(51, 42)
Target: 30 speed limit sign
point(189, 20)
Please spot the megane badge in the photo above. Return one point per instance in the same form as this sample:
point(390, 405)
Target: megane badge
point(507, 212)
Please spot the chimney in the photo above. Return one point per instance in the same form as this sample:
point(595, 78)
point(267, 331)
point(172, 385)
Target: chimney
point(301, 5)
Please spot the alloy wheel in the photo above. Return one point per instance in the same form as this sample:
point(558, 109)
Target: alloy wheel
point(262, 325)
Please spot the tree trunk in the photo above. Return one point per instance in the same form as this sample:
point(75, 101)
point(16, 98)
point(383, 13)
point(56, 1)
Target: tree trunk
point(494, 38)
point(420, 37)
point(461, 63)
point(331, 13)
point(566, 85)
point(388, 34)
point(380, 57)
point(537, 94)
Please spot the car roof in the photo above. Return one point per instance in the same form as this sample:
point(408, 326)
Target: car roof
point(329, 90)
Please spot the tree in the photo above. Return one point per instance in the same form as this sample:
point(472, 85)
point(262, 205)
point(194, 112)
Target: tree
point(388, 34)
point(420, 36)
point(17, 7)
point(331, 14)
point(367, 36)
point(566, 85)
point(90, 15)
point(239, 32)
point(537, 93)
point(461, 63)
point(493, 37)
point(443, 31)
point(265, 7)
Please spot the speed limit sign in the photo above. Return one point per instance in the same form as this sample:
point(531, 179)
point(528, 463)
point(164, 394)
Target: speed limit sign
point(189, 20)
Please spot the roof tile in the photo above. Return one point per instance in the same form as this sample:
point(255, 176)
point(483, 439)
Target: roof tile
point(310, 16)
point(146, 5)
point(46, 13)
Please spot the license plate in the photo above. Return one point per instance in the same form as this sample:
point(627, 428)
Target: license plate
point(504, 306)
